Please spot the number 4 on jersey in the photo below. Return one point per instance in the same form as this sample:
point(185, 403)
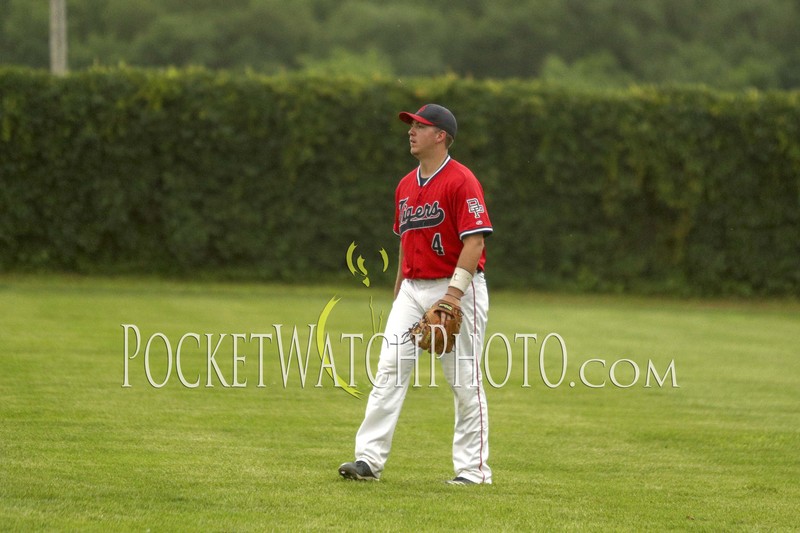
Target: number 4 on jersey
point(436, 244)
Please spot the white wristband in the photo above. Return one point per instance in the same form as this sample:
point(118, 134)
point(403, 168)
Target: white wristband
point(461, 279)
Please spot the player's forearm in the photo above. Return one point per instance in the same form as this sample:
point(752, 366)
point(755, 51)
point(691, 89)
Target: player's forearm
point(471, 253)
point(399, 279)
point(467, 260)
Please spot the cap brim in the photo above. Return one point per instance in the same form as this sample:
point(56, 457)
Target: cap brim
point(408, 118)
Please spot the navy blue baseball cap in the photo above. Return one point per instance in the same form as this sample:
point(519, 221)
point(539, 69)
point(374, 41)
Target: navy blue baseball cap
point(433, 115)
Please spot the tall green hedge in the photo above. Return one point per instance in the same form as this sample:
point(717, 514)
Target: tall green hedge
point(195, 172)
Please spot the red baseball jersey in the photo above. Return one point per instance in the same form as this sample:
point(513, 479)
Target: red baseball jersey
point(433, 216)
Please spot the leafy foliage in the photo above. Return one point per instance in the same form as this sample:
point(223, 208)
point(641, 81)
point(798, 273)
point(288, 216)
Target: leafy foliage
point(607, 43)
point(178, 172)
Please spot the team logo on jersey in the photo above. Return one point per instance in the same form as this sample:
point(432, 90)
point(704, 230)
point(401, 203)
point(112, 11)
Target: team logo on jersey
point(422, 216)
point(475, 207)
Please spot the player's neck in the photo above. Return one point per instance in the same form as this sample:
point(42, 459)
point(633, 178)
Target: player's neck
point(429, 165)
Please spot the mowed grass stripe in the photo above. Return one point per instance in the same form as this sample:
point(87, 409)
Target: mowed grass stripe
point(79, 451)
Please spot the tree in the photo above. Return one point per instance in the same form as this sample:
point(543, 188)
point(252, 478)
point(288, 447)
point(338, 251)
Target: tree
point(729, 44)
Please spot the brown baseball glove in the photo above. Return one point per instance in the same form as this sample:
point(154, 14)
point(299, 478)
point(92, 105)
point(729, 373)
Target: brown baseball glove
point(430, 328)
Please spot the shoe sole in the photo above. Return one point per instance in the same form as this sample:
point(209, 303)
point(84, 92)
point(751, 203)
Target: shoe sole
point(349, 472)
point(460, 482)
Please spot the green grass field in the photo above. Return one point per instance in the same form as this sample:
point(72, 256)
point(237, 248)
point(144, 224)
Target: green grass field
point(78, 451)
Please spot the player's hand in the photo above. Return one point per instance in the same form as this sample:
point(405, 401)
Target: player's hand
point(422, 332)
point(449, 298)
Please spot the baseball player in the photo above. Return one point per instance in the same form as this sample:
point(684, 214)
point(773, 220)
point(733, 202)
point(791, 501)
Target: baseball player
point(441, 218)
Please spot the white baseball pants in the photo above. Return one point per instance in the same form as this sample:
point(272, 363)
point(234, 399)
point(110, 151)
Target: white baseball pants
point(461, 369)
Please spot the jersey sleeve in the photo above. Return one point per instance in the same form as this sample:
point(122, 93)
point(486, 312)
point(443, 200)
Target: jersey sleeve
point(470, 208)
point(396, 227)
point(401, 193)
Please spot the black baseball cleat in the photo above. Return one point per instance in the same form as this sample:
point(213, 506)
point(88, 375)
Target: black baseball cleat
point(359, 471)
point(460, 481)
